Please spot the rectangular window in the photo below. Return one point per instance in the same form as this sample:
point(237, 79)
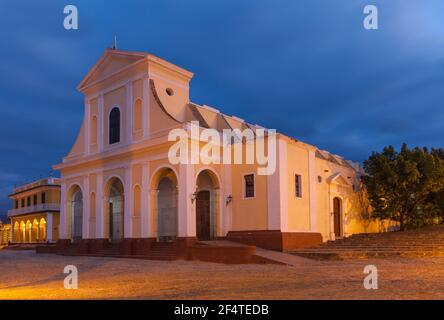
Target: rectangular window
point(28, 201)
point(43, 198)
point(249, 185)
point(23, 203)
point(298, 185)
point(16, 205)
point(34, 200)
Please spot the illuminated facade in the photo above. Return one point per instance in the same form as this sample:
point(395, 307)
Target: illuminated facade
point(118, 185)
point(35, 216)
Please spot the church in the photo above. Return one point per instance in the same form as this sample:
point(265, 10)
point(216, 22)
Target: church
point(119, 187)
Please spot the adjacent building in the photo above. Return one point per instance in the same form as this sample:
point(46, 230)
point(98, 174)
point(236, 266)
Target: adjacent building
point(35, 217)
point(5, 233)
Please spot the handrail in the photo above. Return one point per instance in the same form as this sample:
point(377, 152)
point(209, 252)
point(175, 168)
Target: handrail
point(35, 208)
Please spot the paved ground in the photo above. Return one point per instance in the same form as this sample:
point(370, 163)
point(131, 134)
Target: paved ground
point(26, 275)
point(279, 257)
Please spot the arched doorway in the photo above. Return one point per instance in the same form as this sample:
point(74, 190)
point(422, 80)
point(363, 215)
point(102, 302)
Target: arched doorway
point(22, 232)
point(116, 210)
point(29, 232)
point(77, 214)
point(16, 232)
point(206, 205)
point(166, 184)
point(114, 126)
point(92, 215)
point(42, 231)
point(35, 230)
point(337, 216)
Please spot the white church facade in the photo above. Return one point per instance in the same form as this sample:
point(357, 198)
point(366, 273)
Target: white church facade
point(119, 188)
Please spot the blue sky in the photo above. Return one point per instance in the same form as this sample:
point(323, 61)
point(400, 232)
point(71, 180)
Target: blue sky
point(305, 67)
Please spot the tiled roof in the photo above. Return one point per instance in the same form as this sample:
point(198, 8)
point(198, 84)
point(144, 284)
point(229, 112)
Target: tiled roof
point(209, 117)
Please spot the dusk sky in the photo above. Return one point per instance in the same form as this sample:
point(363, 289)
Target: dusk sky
point(307, 68)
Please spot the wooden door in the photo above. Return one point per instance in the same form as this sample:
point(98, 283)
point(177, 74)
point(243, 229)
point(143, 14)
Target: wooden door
point(337, 207)
point(203, 219)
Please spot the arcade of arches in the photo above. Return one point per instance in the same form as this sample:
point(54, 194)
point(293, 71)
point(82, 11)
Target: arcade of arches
point(154, 208)
point(33, 229)
point(35, 213)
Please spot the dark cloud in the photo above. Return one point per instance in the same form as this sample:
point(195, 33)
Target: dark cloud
point(306, 68)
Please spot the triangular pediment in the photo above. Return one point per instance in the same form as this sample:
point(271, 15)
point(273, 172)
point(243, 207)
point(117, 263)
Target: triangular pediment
point(109, 63)
point(338, 178)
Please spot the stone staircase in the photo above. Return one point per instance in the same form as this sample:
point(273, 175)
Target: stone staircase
point(162, 251)
point(71, 250)
point(109, 251)
point(425, 242)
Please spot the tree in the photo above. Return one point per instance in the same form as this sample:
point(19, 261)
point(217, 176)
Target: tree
point(405, 186)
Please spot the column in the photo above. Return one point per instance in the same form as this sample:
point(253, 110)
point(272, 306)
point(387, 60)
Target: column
point(152, 217)
point(344, 213)
point(277, 190)
point(312, 190)
point(218, 209)
point(49, 227)
point(63, 217)
point(12, 230)
point(331, 216)
point(87, 128)
point(128, 211)
point(85, 209)
point(129, 113)
point(100, 202)
point(226, 209)
point(145, 108)
point(146, 212)
point(186, 210)
point(100, 123)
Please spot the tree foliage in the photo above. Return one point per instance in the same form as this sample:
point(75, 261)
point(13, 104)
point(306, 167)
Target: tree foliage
point(406, 186)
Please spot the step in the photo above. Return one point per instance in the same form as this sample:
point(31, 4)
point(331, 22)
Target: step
point(373, 248)
point(322, 255)
point(428, 241)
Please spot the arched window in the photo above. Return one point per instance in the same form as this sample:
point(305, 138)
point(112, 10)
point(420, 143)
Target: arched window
point(114, 126)
point(77, 214)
